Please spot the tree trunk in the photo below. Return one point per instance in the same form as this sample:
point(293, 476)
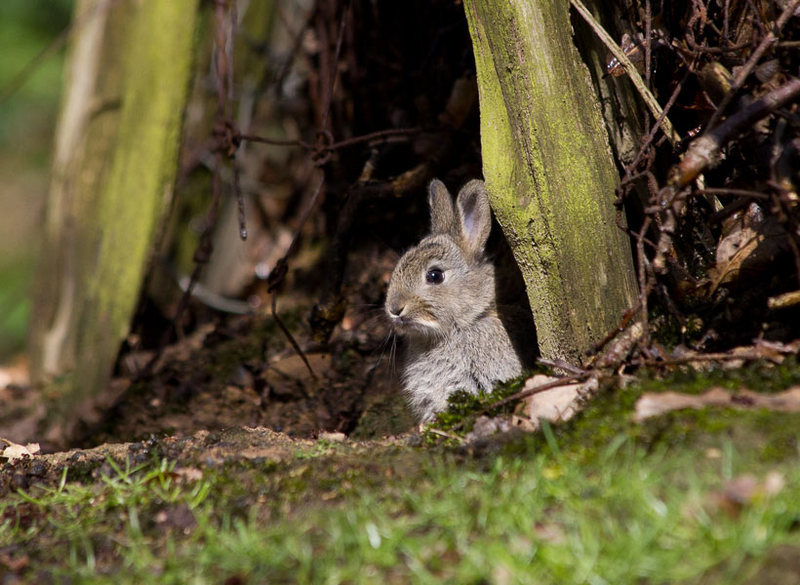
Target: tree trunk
point(115, 159)
point(550, 173)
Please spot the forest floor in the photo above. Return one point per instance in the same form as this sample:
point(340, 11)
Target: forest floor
point(231, 464)
point(213, 471)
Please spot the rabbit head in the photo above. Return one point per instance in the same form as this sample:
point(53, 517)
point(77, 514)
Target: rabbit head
point(445, 282)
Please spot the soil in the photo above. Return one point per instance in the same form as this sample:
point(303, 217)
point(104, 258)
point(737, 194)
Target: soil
point(231, 392)
point(231, 379)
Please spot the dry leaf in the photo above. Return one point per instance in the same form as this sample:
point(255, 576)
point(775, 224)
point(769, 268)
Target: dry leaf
point(773, 351)
point(289, 377)
point(15, 451)
point(557, 404)
point(744, 490)
point(784, 300)
point(749, 244)
point(656, 403)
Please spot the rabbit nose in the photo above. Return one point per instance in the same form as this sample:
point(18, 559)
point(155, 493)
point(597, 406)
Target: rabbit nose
point(397, 311)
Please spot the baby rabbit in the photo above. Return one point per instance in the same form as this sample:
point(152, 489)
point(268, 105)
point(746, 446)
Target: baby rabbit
point(441, 298)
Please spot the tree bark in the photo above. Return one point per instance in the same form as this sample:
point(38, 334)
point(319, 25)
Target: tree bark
point(114, 164)
point(550, 173)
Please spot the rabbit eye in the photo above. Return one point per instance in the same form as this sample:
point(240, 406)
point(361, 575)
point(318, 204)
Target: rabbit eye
point(434, 276)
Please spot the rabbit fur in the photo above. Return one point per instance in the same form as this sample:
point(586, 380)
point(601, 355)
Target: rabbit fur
point(454, 339)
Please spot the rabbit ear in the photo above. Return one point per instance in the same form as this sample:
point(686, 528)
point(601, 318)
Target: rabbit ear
point(443, 218)
point(475, 216)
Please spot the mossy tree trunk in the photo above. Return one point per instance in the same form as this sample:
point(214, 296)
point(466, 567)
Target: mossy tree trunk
point(115, 160)
point(549, 172)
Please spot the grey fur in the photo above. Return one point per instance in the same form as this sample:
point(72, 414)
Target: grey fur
point(454, 338)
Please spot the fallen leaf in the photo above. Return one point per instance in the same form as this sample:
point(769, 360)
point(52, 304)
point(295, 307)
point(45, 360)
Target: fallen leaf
point(653, 404)
point(749, 244)
point(557, 404)
point(15, 451)
point(746, 489)
point(774, 482)
point(784, 300)
point(289, 379)
point(773, 351)
point(741, 490)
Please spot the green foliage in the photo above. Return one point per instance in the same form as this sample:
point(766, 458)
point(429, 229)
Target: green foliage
point(14, 306)
point(27, 119)
point(26, 28)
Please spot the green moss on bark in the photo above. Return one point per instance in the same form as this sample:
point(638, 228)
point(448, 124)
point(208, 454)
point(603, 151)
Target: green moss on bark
point(112, 187)
point(549, 172)
point(133, 201)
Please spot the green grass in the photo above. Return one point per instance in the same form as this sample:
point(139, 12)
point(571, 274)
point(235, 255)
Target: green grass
point(633, 514)
point(598, 500)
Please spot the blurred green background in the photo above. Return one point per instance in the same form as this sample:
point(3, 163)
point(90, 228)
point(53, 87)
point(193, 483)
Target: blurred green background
point(27, 126)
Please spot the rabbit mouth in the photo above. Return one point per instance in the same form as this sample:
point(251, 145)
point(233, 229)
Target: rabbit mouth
point(416, 325)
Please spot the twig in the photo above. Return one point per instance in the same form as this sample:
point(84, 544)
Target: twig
point(372, 136)
point(623, 324)
point(562, 365)
point(278, 273)
point(729, 210)
point(705, 357)
point(770, 39)
point(444, 434)
point(737, 192)
point(537, 389)
point(335, 65)
point(289, 336)
point(651, 135)
point(645, 284)
point(237, 188)
point(214, 300)
point(647, 96)
point(705, 151)
point(528, 392)
point(296, 44)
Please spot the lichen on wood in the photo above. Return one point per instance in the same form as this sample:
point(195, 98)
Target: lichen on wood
point(550, 172)
point(115, 163)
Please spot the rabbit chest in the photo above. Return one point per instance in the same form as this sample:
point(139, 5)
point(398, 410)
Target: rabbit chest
point(471, 360)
